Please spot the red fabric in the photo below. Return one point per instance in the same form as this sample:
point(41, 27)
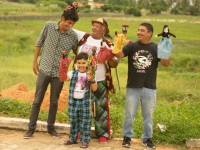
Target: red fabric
point(102, 139)
point(79, 136)
point(64, 65)
point(104, 55)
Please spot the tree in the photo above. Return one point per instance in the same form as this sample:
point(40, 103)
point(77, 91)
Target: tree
point(144, 4)
point(157, 6)
point(195, 8)
point(133, 11)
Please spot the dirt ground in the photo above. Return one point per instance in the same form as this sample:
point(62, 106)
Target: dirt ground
point(20, 92)
point(13, 140)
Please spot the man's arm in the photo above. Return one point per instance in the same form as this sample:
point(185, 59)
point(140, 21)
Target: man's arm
point(79, 34)
point(120, 54)
point(165, 62)
point(35, 63)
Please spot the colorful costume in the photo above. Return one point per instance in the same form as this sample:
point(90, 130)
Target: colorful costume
point(102, 119)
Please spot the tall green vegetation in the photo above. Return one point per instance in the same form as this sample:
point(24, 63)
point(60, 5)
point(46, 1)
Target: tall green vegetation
point(185, 7)
point(134, 7)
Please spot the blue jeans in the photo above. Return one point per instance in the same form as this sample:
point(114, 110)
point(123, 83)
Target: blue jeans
point(147, 98)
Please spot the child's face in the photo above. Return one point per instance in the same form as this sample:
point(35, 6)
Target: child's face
point(81, 65)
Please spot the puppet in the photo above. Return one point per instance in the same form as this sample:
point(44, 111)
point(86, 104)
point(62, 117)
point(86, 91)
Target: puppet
point(165, 45)
point(165, 32)
point(91, 68)
point(120, 40)
point(64, 65)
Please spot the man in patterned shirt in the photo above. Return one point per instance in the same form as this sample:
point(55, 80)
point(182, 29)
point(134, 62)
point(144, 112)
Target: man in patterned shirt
point(54, 38)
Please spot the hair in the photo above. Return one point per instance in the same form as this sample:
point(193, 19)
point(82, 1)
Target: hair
point(82, 55)
point(148, 26)
point(70, 14)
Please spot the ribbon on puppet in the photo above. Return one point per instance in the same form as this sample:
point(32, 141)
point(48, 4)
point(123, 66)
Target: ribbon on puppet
point(92, 65)
point(91, 68)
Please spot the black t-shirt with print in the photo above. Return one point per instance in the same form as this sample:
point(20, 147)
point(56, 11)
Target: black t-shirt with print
point(142, 64)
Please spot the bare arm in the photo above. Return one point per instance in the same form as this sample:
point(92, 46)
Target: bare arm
point(165, 62)
point(120, 55)
point(35, 63)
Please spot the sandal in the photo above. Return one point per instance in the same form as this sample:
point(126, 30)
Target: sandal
point(84, 145)
point(69, 142)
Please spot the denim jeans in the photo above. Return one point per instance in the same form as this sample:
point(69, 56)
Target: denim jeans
point(41, 86)
point(147, 98)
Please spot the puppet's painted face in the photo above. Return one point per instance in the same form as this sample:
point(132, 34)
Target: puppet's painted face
point(166, 29)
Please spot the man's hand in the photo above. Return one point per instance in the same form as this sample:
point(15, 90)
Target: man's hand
point(35, 67)
point(118, 43)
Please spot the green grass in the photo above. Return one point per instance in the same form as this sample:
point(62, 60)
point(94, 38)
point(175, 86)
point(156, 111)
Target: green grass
point(21, 109)
point(181, 120)
point(178, 86)
point(16, 69)
point(25, 9)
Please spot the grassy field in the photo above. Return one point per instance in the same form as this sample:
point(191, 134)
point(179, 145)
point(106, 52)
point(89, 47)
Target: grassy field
point(178, 94)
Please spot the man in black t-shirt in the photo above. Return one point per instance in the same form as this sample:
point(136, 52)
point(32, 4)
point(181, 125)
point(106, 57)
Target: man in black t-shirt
point(141, 83)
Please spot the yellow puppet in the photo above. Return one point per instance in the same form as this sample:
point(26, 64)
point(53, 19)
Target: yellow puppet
point(120, 40)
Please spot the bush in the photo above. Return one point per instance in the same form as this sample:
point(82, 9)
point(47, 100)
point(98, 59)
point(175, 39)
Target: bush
point(133, 11)
point(194, 10)
point(186, 63)
point(14, 108)
point(111, 8)
point(52, 5)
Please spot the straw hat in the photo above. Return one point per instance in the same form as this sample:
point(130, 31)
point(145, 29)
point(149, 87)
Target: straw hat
point(103, 22)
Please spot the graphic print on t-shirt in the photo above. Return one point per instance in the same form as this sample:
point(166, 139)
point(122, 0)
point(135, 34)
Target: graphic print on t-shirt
point(88, 49)
point(142, 60)
point(80, 83)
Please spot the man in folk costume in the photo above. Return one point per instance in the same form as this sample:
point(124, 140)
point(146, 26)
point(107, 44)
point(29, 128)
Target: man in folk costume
point(106, 61)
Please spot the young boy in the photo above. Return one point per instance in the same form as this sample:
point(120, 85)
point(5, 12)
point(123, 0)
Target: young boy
point(79, 102)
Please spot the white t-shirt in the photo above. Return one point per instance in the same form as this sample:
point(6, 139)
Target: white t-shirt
point(80, 86)
point(100, 73)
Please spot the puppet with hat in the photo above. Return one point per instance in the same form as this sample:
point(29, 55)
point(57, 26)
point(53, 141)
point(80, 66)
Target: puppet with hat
point(120, 39)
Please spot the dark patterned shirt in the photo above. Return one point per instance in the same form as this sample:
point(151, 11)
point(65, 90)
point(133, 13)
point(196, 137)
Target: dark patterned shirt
point(142, 65)
point(53, 42)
